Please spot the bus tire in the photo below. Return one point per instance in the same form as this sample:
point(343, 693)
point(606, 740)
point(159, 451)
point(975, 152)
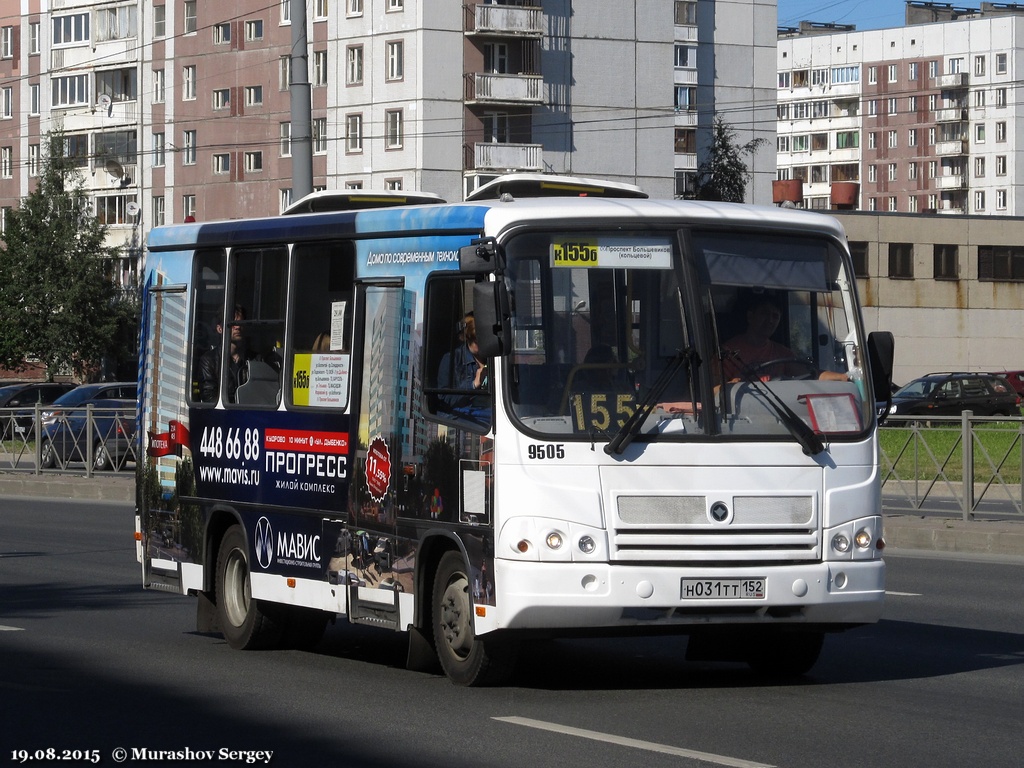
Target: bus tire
point(785, 654)
point(243, 621)
point(466, 659)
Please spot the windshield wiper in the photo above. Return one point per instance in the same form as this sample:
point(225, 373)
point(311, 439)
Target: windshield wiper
point(630, 429)
point(809, 440)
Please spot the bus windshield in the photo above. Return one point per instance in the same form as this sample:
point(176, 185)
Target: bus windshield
point(757, 330)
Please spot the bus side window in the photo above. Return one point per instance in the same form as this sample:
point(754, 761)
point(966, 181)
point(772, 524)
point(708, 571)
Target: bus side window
point(252, 367)
point(207, 318)
point(456, 381)
point(320, 328)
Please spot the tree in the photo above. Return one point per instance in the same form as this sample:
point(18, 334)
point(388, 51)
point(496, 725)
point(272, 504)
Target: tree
point(58, 300)
point(723, 176)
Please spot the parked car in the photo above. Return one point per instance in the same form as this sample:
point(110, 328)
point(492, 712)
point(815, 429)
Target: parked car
point(24, 397)
point(66, 431)
point(1016, 379)
point(950, 394)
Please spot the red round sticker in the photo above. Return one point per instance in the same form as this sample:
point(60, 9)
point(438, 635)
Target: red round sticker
point(378, 468)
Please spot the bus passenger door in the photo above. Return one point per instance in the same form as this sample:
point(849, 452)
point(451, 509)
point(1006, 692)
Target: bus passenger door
point(384, 382)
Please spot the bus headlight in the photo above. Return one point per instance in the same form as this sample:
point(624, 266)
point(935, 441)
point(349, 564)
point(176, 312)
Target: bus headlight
point(841, 543)
point(551, 540)
point(587, 545)
point(554, 540)
point(863, 538)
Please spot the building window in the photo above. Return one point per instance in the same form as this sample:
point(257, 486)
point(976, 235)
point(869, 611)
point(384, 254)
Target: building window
point(254, 29)
point(222, 33)
point(782, 143)
point(933, 169)
point(912, 204)
point(393, 185)
point(686, 141)
point(354, 65)
point(6, 162)
point(912, 104)
point(979, 99)
point(872, 75)
point(947, 261)
point(34, 43)
point(872, 140)
point(188, 207)
point(190, 17)
point(320, 135)
point(34, 99)
point(1001, 131)
point(284, 73)
point(1001, 199)
point(933, 69)
point(893, 106)
point(979, 66)
point(979, 200)
point(686, 57)
point(892, 205)
point(159, 87)
point(159, 150)
point(253, 162)
point(222, 163)
point(286, 139)
point(685, 98)
point(1000, 262)
point(159, 209)
point(979, 133)
point(393, 129)
point(912, 171)
point(285, 8)
point(320, 10)
point(901, 260)
point(686, 13)
point(1000, 165)
point(33, 160)
point(892, 172)
point(395, 5)
point(859, 252)
point(7, 43)
point(1000, 97)
point(913, 70)
point(112, 209)
point(872, 174)
point(912, 137)
point(819, 142)
point(285, 198)
point(222, 98)
point(892, 139)
point(355, 7)
point(319, 68)
point(71, 30)
point(1000, 63)
point(159, 21)
point(893, 73)
point(188, 155)
point(253, 95)
point(118, 84)
point(188, 83)
point(783, 80)
point(353, 133)
point(353, 185)
point(69, 91)
point(396, 60)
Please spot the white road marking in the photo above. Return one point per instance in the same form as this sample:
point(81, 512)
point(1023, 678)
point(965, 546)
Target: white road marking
point(903, 594)
point(11, 629)
point(634, 743)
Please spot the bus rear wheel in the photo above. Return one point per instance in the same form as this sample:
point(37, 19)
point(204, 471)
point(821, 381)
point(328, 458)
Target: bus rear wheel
point(244, 623)
point(465, 658)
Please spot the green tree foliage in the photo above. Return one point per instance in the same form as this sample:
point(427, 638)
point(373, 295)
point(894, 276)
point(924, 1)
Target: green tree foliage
point(58, 300)
point(723, 176)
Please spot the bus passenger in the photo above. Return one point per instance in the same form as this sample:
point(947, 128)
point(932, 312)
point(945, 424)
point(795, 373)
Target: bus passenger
point(209, 362)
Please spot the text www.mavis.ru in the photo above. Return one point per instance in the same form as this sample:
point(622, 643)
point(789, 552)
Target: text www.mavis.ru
point(231, 475)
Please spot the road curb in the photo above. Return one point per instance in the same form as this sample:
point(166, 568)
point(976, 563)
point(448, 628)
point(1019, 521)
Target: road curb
point(117, 489)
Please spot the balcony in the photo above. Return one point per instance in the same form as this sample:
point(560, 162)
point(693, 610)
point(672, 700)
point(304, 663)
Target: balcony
point(955, 80)
point(496, 156)
point(951, 148)
point(504, 89)
point(512, 20)
point(954, 181)
point(952, 115)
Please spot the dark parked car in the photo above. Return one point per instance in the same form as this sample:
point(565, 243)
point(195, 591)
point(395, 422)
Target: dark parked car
point(24, 397)
point(950, 394)
point(66, 430)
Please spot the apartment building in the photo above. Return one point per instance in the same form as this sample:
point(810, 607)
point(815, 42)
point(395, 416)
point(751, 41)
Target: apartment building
point(182, 109)
point(920, 118)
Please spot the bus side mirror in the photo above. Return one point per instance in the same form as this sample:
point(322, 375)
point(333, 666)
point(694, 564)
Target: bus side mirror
point(493, 318)
point(881, 352)
point(480, 257)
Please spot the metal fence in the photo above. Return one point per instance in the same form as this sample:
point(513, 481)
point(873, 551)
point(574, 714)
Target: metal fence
point(967, 464)
point(90, 439)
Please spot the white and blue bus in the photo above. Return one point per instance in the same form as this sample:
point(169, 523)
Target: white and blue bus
point(485, 421)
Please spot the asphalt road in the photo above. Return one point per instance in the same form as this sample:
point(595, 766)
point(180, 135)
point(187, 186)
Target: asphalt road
point(89, 661)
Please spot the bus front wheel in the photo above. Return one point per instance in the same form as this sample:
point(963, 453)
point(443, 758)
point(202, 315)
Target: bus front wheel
point(244, 623)
point(465, 658)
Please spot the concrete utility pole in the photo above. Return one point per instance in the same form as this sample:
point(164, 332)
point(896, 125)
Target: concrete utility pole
point(301, 107)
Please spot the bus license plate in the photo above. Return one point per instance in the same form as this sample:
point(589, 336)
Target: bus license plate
point(722, 589)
